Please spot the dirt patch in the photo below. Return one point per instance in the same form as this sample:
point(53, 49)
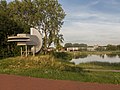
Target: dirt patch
point(11, 82)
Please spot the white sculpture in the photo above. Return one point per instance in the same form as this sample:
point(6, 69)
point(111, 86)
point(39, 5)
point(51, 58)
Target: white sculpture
point(32, 41)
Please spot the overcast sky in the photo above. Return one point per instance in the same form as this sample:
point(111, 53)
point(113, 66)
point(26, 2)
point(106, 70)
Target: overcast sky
point(91, 21)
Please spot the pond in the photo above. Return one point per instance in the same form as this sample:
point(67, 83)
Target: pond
point(97, 58)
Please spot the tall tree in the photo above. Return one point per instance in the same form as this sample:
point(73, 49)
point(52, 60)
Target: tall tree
point(68, 45)
point(45, 15)
point(58, 40)
point(7, 28)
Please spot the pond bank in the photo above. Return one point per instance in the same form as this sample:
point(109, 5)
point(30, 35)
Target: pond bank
point(101, 70)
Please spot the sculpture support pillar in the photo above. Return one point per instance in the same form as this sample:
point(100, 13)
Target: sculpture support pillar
point(33, 50)
point(21, 51)
point(26, 50)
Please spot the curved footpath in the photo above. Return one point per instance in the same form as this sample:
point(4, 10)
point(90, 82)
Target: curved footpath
point(11, 82)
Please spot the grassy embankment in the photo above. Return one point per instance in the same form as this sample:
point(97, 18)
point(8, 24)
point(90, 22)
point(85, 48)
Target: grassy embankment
point(51, 68)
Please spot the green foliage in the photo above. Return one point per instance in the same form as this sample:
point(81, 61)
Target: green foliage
point(83, 45)
point(58, 40)
point(80, 56)
point(111, 47)
point(7, 27)
point(76, 45)
point(63, 55)
point(118, 47)
point(68, 45)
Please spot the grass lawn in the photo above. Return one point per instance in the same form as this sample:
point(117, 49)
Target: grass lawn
point(100, 65)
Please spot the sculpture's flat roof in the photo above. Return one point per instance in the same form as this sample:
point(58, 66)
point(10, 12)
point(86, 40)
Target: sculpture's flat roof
point(18, 37)
point(18, 40)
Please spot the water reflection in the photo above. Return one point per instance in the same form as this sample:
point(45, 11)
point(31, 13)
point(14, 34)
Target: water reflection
point(110, 58)
point(119, 55)
point(111, 55)
point(102, 55)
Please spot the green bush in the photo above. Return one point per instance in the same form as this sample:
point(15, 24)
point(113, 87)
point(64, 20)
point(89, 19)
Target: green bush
point(62, 55)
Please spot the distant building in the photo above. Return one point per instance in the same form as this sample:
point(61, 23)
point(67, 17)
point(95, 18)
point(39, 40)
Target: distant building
point(92, 48)
point(50, 49)
point(82, 47)
point(72, 48)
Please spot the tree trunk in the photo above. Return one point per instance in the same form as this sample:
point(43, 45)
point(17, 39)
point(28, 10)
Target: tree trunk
point(45, 42)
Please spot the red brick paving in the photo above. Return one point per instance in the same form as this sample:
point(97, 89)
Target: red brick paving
point(11, 82)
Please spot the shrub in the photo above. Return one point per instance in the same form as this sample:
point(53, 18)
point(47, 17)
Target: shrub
point(62, 55)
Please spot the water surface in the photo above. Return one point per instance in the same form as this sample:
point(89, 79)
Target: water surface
point(97, 58)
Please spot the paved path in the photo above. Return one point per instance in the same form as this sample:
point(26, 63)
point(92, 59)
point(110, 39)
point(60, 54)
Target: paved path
point(11, 82)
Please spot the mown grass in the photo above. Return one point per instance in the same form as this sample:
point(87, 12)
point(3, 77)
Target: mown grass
point(49, 67)
point(100, 65)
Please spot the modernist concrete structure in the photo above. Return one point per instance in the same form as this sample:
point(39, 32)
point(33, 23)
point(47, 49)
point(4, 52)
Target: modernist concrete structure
point(32, 41)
